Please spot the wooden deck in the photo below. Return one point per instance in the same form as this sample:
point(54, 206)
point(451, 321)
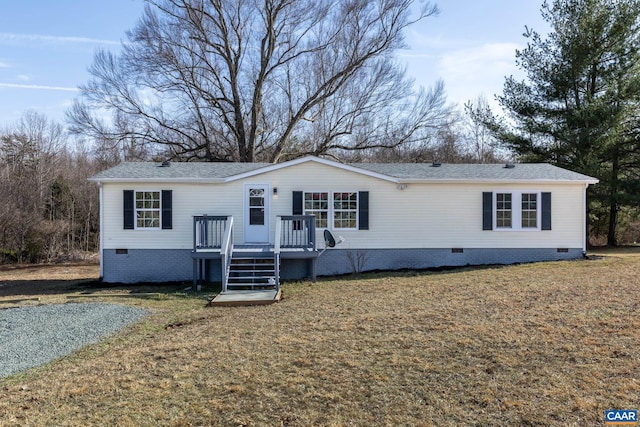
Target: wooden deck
point(236, 297)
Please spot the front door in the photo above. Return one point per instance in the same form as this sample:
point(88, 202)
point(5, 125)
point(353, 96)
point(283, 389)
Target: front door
point(256, 213)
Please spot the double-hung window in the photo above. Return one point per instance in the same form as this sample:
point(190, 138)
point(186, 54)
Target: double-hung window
point(147, 205)
point(529, 210)
point(147, 209)
point(337, 210)
point(517, 210)
point(345, 210)
point(317, 203)
point(504, 210)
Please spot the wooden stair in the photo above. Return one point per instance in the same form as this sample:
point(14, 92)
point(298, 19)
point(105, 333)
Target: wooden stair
point(251, 272)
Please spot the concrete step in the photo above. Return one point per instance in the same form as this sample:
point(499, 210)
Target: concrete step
point(263, 286)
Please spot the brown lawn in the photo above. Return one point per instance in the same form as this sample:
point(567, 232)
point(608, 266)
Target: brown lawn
point(548, 344)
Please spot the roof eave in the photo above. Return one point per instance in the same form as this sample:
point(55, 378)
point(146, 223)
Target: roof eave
point(162, 180)
point(494, 181)
point(325, 162)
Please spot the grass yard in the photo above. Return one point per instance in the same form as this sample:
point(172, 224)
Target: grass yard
point(548, 344)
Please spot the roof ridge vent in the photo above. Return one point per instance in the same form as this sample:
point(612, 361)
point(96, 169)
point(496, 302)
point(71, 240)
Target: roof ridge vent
point(509, 165)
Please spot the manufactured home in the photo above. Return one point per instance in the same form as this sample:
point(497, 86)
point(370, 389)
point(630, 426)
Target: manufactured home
point(252, 224)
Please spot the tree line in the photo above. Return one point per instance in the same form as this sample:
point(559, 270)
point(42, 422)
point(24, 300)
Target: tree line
point(51, 211)
point(217, 80)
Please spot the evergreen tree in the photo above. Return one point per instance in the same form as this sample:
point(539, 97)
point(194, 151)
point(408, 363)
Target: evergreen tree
point(578, 106)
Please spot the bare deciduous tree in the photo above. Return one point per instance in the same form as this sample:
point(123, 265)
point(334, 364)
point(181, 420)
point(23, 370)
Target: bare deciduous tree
point(482, 142)
point(49, 208)
point(246, 81)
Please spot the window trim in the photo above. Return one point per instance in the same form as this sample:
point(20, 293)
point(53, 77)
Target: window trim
point(135, 210)
point(537, 210)
point(356, 211)
point(331, 210)
point(516, 210)
point(312, 211)
point(510, 210)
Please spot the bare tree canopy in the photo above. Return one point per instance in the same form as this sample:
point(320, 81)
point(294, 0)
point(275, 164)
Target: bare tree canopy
point(48, 209)
point(245, 80)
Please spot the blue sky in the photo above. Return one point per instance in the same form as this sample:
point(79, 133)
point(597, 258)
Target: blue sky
point(47, 46)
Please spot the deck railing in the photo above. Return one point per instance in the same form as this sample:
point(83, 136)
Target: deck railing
point(296, 231)
point(215, 234)
point(226, 252)
point(276, 252)
point(208, 231)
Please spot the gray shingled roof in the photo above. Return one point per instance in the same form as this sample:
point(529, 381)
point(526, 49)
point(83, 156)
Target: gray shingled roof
point(141, 171)
point(176, 171)
point(472, 172)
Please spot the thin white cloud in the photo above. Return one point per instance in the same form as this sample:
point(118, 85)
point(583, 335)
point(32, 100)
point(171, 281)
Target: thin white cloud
point(17, 37)
point(39, 87)
point(23, 77)
point(481, 69)
point(4, 65)
point(421, 41)
point(464, 62)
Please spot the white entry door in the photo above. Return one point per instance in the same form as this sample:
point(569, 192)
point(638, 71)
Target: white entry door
point(256, 213)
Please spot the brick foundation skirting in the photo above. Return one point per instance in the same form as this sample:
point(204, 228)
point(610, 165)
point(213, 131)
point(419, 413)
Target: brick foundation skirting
point(168, 265)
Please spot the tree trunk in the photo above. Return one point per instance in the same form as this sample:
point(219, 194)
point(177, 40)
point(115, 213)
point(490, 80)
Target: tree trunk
point(613, 200)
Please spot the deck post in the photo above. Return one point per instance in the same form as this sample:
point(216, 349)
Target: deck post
point(203, 274)
point(313, 269)
point(195, 274)
point(312, 231)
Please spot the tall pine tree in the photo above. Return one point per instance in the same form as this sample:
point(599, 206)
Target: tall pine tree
point(578, 106)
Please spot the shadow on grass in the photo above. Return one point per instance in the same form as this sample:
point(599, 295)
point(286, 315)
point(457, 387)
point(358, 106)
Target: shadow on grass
point(407, 272)
point(89, 287)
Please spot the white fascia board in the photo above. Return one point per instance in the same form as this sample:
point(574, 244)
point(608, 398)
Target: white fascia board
point(301, 160)
point(345, 167)
point(162, 180)
point(252, 173)
point(494, 181)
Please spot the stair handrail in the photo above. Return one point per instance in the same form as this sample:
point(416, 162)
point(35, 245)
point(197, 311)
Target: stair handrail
point(226, 252)
point(276, 252)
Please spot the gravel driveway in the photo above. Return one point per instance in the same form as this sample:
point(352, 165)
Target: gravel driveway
point(31, 336)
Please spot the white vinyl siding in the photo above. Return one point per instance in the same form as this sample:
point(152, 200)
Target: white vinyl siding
point(417, 215)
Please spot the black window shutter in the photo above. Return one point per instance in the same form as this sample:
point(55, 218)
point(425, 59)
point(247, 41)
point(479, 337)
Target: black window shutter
point(297, 203)
point(128, 214)
point(297, 209)
point(167, 207)
point(487, 210)
point(363, 210)
point(546, 211)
